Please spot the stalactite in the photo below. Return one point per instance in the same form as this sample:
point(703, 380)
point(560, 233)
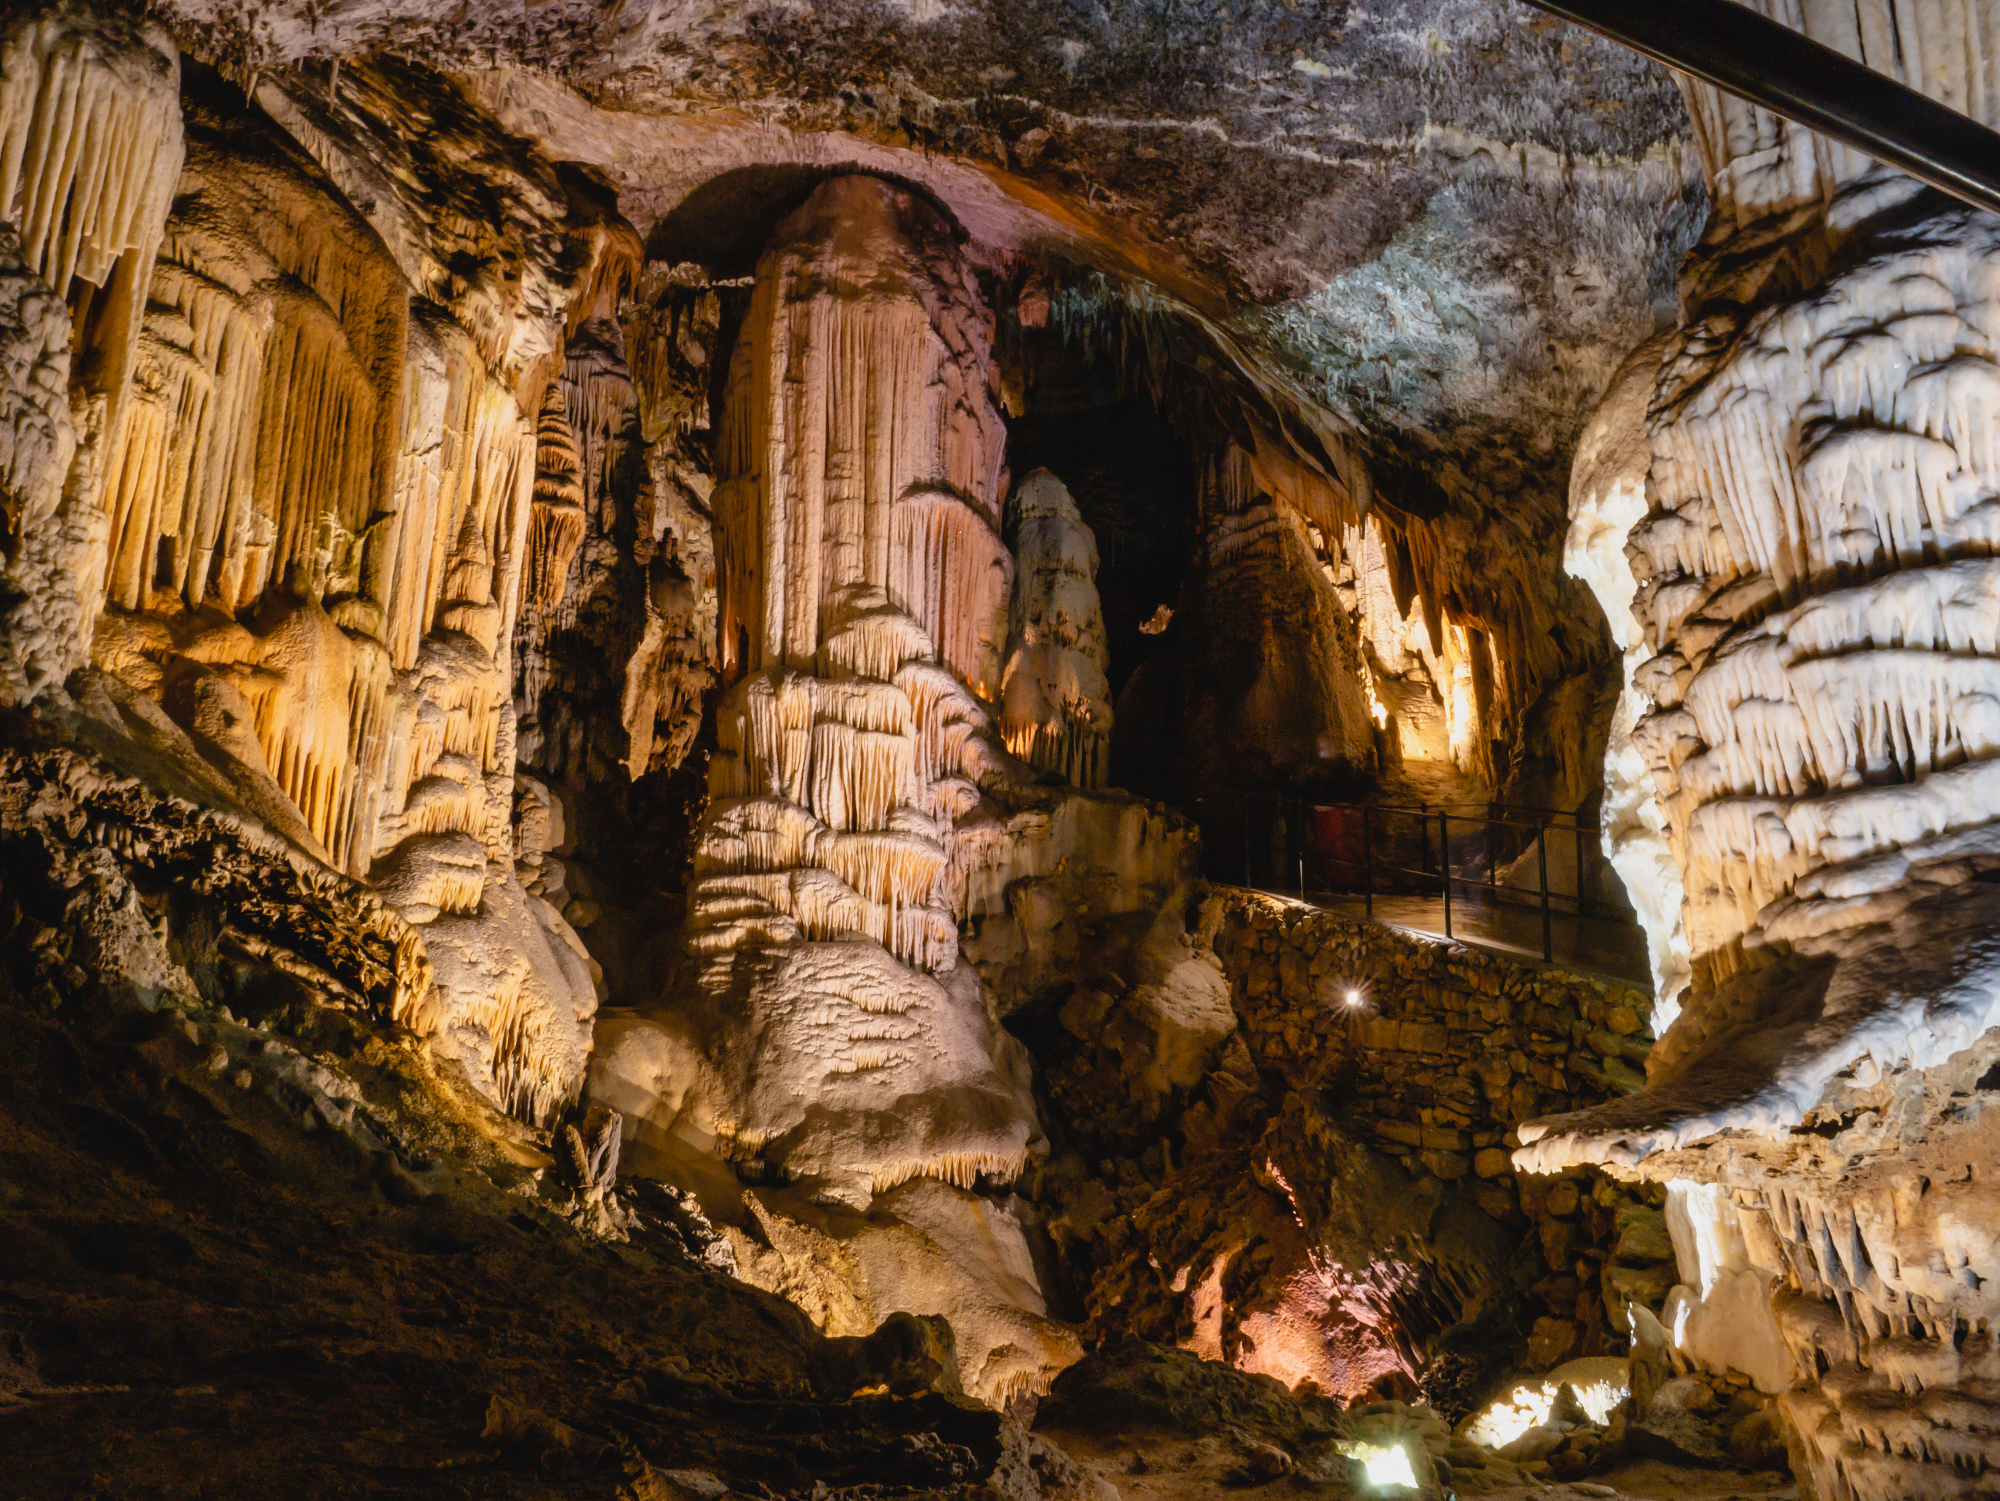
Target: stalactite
point(89, 142)
point(447, 385)
point(849, 430)
point(954, 576)
point(316, 398)
point(297, 677)
point(1889, 487)
point(196, 399)
point(90, 145)
point(1760, 164)
point(558, 525)
point(308, 484)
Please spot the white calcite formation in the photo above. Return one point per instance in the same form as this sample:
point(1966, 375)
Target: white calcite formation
point(1055, 701)
point(1787, 508)
point(1607, 499)
point(90, 145)
point(836, 1042)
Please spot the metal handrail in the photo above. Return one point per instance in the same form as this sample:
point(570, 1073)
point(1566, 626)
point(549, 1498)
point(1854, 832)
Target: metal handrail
point(1442, 816)
point(1762, 60)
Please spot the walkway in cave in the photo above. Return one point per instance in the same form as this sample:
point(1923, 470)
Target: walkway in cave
point(1592, 946)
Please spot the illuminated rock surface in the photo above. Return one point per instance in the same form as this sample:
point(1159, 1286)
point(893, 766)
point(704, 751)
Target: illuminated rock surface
point(634, 642)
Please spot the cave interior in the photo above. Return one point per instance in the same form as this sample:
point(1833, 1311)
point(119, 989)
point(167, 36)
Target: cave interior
point(992, 749)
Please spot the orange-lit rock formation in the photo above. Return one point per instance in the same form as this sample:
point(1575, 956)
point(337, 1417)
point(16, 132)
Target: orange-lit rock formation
point(302, 499)
point(838, 1039)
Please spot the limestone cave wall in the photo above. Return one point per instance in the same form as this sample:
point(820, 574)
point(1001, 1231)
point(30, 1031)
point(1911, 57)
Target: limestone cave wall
point(581, 657)
point(1782, 506)
point(1336, 1202)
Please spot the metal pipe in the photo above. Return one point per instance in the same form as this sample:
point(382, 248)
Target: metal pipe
point(1758, 59)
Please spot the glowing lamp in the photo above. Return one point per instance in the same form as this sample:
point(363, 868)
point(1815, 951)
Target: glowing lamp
point(1390, 1466)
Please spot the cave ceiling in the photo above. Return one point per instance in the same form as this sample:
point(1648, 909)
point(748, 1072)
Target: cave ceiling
point(1434, 225)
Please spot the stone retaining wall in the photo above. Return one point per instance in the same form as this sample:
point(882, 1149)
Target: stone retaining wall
point(1439, 1051)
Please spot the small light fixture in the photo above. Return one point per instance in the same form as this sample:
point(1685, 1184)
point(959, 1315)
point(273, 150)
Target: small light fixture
point(1389, 1468)
point(1354, 1000)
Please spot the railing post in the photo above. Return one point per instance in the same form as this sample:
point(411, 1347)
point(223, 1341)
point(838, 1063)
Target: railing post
point(1367, 861)
point(1542, 859)
point(1492, 861)
point(1299, 834)
point(1577, 819)
point(1444, 864)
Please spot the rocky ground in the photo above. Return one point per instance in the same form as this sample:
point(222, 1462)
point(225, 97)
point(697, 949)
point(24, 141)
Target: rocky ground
point(251, 1243)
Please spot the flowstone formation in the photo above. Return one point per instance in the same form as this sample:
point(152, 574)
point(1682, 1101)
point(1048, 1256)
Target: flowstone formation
point(299, 517)
point(1055, 700)
point(861, 795)
point(578, 589)
point(1786, 507)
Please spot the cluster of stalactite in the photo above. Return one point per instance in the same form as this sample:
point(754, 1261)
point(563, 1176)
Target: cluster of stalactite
point(1297, 659)
point(864, 583)
point(859, 445)
point(837, 793)
point(308, 488)
point(672, 334)
point(556, 530)
point(1787, 512)
point(613, 661)
point(1464, 604)
point(1837, 723)
point(1455, 664)
point(261, 474)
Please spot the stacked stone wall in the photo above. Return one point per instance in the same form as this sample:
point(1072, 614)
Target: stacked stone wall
point(1441, 1053)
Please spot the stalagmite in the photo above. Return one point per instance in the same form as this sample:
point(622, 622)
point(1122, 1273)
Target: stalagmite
point(837, 1036)
point(1055, 703)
